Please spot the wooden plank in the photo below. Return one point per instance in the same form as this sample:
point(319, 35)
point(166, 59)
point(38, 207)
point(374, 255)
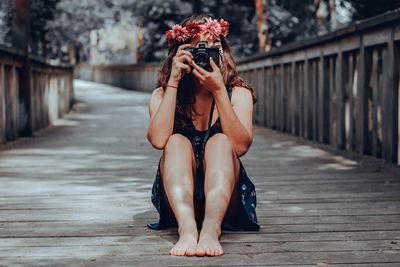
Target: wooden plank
point(281, 97)
point(2, 106)
point(300, 75)
point(314, 103)
point(391, 96)
point(374, 80)
point(323, 99)
point(340, 101)
point(307, 95)
point(332, 102)
point(265, 97)
point(261, 90)
point(351, 144)
point(361, 104)
point(274, 98)
point(295, 101)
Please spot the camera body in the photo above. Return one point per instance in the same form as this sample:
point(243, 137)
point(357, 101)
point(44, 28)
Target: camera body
point(201, 54)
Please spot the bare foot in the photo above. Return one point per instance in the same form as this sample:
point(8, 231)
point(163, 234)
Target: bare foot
point(186, 245)
point(209, 240)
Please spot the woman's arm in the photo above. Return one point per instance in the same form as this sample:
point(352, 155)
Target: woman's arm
point(236, 120)
point(236, 117)
point(162, 112)
point(162, 104)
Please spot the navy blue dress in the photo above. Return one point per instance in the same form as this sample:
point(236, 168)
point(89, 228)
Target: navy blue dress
point(246, 214)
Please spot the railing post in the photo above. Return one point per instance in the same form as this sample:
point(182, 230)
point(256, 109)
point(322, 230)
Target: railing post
point(307, 124)
point(20, 40)
point(2, 106)
point(323, 102)
point(361, 101)
point(391, 132)
point(340, 107)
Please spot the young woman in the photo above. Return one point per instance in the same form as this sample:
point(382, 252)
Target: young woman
point(201, 182)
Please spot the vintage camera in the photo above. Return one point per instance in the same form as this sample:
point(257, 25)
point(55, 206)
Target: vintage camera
point(201, 55)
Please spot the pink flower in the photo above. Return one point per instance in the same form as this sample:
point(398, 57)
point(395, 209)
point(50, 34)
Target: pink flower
point(211, 28)
point(178, 33)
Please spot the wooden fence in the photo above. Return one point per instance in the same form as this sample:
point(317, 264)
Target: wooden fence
point(340, 89)
point(33, 93)
point(140, 77)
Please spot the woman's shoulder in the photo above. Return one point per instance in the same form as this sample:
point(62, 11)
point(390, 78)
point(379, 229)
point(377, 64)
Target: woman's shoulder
point(241, 94)
point(158, 92)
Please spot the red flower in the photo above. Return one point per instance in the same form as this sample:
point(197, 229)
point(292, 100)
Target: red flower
point(224, 27)
point(193, 28)
point(212, 28)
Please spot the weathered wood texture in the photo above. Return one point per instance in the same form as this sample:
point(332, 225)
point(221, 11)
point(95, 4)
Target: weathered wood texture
point(79, 195)
point(340, 89)
point(139, 77)
point(33, 93)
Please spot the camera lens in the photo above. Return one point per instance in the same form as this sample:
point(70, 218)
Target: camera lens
point(201, 59)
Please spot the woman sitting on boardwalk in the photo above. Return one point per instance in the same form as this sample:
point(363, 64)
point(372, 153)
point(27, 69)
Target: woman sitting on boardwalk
point(201, 182)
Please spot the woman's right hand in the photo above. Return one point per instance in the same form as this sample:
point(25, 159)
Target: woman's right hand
point(180, 64)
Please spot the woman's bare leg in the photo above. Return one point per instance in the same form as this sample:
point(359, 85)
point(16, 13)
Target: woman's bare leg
point(221, 175)
point(177, 169)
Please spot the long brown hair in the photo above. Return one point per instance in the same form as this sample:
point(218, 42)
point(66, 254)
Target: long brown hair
point(186, 98)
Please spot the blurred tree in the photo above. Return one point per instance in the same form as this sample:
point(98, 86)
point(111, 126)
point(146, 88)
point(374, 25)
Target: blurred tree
point(41, 11)
point(74, 20)
point(5, 22)
point(285, 21)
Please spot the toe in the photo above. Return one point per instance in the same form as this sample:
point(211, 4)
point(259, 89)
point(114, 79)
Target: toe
point(190, 252)
point(200, 252)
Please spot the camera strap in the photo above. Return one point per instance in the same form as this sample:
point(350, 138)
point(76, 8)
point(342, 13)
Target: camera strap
point(200, 182)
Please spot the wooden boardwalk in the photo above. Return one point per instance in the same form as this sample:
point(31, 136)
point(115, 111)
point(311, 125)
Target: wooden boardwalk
point(78, 194)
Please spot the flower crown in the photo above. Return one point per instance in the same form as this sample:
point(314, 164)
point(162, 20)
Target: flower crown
point(211, 28)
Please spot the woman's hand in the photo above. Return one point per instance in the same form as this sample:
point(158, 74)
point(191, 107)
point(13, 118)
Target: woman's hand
point(179, 67)
point(212, 81)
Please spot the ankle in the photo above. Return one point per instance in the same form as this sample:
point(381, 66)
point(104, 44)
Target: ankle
point(212, 225)
point(187, 227)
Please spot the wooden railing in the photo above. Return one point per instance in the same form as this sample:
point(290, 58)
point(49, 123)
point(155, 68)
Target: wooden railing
point(140, 77)
point(33, 93)
point(340, 89)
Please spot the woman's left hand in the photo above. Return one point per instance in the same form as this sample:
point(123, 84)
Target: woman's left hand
point(212, 81)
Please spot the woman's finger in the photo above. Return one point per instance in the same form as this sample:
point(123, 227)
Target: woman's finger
point(184, 52)
point(182, 58)
point(181, 47)
point(213, 64)
point(198, 75)
point(184, 67)
point(199, 69)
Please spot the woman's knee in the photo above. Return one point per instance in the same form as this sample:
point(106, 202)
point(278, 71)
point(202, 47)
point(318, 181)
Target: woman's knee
point(177, 142)
point(178, 146)
point(220, 141)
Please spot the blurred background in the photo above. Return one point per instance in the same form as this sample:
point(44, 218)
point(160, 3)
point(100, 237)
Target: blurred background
point(132, 31)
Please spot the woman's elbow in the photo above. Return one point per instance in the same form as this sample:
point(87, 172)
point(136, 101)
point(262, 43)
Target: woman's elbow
point(155, 142)
point(242, 149)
